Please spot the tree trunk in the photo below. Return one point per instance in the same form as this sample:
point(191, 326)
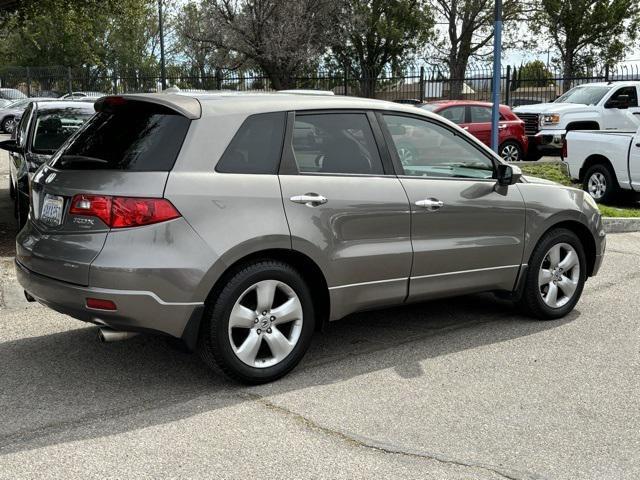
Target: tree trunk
point(567, 71)
point(457, 68)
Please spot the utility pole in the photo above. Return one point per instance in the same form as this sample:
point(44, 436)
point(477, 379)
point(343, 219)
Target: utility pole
point(163, 72)
point(497, 51)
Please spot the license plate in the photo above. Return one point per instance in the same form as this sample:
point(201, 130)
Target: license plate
point(52, 210)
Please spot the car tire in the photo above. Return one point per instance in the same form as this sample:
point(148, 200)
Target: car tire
point(255, 350)
point(600, 183)
point(7, 125)
point(511, 151)
point(555, 276)
point(533, 155)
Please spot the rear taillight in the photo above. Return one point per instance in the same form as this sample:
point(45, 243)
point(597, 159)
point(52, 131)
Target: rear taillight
point(121, 212)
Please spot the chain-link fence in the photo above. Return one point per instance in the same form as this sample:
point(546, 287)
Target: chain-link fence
point(519, 85)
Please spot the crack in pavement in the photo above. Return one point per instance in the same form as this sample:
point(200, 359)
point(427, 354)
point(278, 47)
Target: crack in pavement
point(363, 442)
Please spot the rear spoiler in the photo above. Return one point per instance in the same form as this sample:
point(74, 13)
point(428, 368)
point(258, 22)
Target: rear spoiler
point(186, 106)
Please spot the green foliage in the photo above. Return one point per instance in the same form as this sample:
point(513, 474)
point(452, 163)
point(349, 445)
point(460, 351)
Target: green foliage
point(532, 74)
point(77, 33)
point(588, 33)
point(379, 34)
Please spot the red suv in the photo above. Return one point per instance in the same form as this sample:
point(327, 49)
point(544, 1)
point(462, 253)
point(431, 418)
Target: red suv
point(476, 118)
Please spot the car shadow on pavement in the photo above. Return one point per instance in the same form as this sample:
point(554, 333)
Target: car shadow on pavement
point(66, 386)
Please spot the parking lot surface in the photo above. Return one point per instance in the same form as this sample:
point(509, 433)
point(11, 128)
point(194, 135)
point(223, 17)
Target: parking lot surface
point(462, 388)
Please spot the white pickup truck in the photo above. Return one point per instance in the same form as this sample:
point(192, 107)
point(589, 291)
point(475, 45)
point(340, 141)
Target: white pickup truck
point(604, 162)
point(591, 106)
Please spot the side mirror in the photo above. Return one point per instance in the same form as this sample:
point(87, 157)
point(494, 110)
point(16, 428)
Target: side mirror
point(508, 174)
point(10, 146)
point(622, 102)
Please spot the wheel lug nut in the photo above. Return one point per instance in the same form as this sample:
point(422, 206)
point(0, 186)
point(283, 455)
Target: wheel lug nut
point(272, 318)
point(255, 321)
point(268, 330)
point(259, 331)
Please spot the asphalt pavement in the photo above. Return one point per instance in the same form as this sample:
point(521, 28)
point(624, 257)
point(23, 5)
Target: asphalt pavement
point(462, 388)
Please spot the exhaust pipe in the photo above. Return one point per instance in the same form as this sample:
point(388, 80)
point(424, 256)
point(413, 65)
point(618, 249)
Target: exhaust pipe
point(107, 335)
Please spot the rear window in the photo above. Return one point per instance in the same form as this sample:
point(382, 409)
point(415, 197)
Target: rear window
point(133, 136)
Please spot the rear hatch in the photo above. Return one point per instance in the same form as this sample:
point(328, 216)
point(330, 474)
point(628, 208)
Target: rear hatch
point(123, 153)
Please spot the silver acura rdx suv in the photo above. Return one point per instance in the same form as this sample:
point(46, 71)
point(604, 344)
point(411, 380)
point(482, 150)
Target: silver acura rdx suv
point(242, 223)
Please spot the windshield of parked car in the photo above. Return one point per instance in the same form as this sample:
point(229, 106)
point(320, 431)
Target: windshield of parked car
point(584, 95)
point(429, 106)
point(53, 127)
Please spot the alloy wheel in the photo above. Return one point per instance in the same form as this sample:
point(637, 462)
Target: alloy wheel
point(265, 323)
point(559, 275)
point(597, 185)
point(510, 153)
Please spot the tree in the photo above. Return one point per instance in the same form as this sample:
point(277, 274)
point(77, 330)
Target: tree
point(533, 74)
point(282, 38)
point(381, 33)
point(583, 30)
point(192, 41)
point(469, 31)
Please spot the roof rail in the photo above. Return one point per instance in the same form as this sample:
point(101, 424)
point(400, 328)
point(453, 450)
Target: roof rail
point(326, 93)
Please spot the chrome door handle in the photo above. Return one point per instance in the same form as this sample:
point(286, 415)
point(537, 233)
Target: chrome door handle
point(430, 203)
point(309, 199)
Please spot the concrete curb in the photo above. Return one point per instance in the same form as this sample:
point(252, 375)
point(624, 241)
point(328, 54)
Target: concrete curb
point(621, 224)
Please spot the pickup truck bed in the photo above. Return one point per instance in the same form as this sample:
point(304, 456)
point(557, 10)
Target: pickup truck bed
point(604, 161)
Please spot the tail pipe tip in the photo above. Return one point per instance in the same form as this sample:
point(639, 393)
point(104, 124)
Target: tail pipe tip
point(107, 335)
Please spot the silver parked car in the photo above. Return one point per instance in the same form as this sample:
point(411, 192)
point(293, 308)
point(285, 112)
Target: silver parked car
point(242, 223)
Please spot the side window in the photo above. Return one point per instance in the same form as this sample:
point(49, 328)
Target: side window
point(631, 91)
point(480, 114)
point(335, 143)
point(455, 114)
point(426, 149)
point(256, 146)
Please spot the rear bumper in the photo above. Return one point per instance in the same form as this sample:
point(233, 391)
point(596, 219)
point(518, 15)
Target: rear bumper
point(136, 310)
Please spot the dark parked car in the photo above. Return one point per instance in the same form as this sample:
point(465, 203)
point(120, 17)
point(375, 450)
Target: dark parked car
point(44, 126)
point(475, 117)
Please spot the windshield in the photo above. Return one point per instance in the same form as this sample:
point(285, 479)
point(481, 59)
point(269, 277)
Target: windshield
point(53, 127)
point(584, 95)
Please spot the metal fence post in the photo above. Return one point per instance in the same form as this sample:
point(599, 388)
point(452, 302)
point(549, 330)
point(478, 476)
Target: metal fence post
point(507, 88)
point(114, 78)
point(28, 83)
point(606, 73)
point(69, 80)
point(346, 79)
point(422, 83)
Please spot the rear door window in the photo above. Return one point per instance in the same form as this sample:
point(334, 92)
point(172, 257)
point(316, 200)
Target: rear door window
point(455, 114)
point(480, 114)
point(130, 136)
point(335, 143)
point(256, 147)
